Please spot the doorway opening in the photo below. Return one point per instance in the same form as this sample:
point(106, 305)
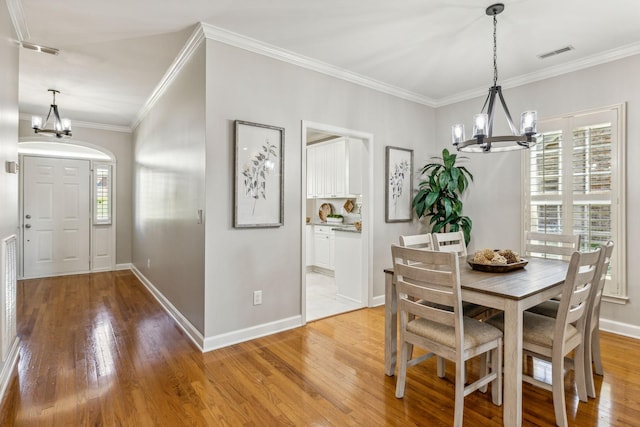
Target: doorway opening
point(336, 220)
point(66, 208)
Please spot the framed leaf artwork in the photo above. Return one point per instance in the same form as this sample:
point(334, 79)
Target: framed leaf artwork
point(259, 175)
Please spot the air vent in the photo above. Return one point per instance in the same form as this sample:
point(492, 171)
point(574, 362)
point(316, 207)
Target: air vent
point(556, 52)
point(40, 48)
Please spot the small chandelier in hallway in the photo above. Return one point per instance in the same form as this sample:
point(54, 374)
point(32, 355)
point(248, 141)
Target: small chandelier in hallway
point(60, 127)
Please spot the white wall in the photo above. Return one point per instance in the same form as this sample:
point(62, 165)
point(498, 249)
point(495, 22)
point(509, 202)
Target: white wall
point(8, 148)
point(494, 201)
point(246, 86)
point(169, 162)
point(120, 144)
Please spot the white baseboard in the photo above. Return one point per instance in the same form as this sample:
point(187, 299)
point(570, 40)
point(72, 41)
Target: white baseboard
point(620, 328)
point(377, 301)
point(9, 367)
point(230, 338)
point(125, 266)
point(184, 324)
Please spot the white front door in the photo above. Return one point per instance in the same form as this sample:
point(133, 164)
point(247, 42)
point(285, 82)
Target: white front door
point(56, 215)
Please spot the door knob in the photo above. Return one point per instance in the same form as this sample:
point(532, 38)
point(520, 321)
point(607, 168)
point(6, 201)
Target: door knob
point(27, 226)
point(28, 216)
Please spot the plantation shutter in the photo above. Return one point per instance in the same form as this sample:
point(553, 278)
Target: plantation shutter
point(575, 183)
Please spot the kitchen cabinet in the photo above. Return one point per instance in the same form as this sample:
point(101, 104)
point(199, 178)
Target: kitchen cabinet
point(348, 266)
point(334, 168)
point(324, 247)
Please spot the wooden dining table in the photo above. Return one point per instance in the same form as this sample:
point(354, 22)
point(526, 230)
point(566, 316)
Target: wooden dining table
point(513, 292)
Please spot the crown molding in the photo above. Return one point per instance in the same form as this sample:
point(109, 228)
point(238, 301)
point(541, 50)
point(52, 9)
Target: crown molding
point(256, 46)
point(196, 38)
point(16, 12)
point(88, 125)
point(546, 73)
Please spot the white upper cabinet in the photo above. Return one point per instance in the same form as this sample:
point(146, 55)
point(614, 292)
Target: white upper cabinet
point(334, 168)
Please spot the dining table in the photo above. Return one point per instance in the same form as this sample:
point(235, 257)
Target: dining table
point(510, 291)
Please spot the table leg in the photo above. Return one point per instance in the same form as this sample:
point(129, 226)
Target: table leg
point(512, 365)
point(390, 324)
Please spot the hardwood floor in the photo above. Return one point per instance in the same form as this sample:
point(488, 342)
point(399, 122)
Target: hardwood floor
point(98, 350)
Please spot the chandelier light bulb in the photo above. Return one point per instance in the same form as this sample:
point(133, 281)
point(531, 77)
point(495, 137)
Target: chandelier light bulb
point(457, 133)
point(36, 122)
point(528, 121)
point(480, 122)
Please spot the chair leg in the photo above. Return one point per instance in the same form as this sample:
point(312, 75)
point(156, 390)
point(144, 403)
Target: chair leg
point(484, 368)
point(441, 366)
point(579, 372)
point(557, 386)
point(588, 368)
point(595, 351)
point(459, 392)
point(402, 370)
point(496, 366)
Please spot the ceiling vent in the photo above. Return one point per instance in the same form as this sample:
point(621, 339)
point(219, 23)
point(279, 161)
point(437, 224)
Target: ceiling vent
point(556, 52)
point(40, 48)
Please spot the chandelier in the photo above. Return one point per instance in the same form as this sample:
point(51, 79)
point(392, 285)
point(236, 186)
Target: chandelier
point(61, 127)
point(483, 139)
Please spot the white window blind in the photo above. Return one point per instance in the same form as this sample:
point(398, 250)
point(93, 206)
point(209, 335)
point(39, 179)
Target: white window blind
point(102, 191)
point(575, 184)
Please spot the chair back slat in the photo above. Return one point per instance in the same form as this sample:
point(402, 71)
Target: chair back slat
point(547, 245)
point(417, 241)
point(450, 242)
point(433, 313)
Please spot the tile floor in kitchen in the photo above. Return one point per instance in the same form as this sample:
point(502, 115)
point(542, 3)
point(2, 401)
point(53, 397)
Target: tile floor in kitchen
point(322, 299)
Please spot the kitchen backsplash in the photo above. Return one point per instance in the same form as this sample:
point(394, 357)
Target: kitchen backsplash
point(313, 207)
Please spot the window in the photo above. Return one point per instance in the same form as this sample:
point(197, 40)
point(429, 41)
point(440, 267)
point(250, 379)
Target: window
point(575, 184)
point(102, 191)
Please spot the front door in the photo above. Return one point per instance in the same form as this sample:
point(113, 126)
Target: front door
point(56, 210)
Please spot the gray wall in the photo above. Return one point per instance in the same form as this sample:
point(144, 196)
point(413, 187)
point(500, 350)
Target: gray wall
point(247, 86)
point(169, 162)
point(494, 201)
point(120, 144)
point(8, 127)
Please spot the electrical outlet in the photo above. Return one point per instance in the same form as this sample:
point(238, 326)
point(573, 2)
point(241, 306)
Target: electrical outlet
point(257, 297)
point(148, 262)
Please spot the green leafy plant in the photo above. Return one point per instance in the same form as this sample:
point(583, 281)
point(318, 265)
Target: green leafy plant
point(439, 195)
point(335, 216)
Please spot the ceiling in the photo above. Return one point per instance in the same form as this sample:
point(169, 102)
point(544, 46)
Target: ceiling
point(114, 53)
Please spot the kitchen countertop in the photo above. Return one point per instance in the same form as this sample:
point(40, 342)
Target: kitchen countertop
point(350, 228)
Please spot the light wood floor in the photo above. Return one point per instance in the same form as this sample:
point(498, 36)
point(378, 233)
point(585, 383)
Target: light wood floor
point(97, 350)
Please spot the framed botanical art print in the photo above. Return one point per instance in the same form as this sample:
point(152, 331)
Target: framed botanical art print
point(259, 175)
point(399, 185)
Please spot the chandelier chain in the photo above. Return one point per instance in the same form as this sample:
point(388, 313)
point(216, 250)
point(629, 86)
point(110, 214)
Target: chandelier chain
point(495, 51)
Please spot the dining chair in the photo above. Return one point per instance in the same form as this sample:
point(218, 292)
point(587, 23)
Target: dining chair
point(435, 276)
point(552, 339)
point(418, 241)
point(549, 245)
point(593, 358)
point(454, 242)
point(450, 242)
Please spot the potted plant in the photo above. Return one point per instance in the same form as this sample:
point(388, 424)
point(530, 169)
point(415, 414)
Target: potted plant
point(439, 195)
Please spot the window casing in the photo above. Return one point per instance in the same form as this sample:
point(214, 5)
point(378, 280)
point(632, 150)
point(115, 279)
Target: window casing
point(575, 184)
